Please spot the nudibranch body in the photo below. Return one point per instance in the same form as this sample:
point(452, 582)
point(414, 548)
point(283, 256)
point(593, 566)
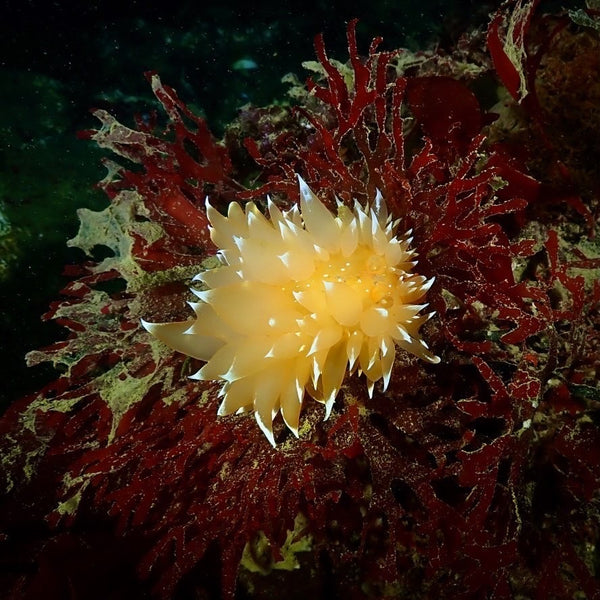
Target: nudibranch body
point(299, 299)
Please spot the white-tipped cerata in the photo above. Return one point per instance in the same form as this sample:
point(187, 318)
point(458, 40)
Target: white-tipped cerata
point(301, 298)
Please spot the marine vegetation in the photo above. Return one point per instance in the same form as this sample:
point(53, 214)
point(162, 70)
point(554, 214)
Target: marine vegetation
point(468, 467)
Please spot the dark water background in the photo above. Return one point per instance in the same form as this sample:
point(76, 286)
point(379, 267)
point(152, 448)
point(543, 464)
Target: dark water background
point(59, 59)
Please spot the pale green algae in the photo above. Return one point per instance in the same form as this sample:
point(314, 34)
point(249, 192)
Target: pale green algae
point(258, 557)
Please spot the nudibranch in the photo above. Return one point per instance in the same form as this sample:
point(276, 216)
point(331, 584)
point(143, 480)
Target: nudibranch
point(300, 298)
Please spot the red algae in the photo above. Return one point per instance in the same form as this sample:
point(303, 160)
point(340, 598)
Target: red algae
point(474, 478)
